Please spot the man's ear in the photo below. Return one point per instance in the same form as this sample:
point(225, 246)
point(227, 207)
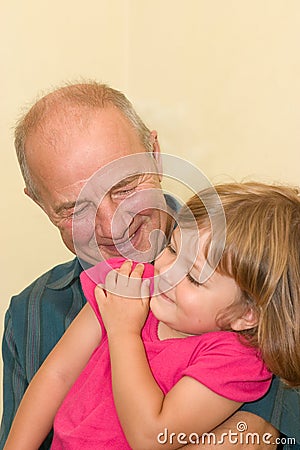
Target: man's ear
point(156, 152)
point(246, 322)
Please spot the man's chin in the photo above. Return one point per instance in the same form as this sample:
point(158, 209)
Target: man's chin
point(129, 251)
point(103, 254)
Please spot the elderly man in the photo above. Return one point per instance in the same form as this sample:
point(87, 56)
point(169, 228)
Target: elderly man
point(64, 139)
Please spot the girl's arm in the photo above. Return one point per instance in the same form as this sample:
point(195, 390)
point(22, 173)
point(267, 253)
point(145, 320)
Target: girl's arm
point(147, 416)
point(48, 388)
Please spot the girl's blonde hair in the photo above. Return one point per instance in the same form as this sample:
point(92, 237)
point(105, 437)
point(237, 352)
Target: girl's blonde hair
point(262, 254)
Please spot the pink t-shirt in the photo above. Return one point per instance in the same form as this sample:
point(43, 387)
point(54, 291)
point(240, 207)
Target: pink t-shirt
point(87, 419)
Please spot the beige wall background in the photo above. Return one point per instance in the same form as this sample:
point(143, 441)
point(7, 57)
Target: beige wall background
point(219, 80)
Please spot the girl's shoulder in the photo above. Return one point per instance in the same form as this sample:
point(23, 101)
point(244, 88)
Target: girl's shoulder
point(224, 362)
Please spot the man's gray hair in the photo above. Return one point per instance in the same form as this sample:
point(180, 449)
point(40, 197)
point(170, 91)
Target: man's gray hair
point(92, 95)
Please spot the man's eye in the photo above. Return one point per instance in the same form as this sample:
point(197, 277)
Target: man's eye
point(123, 192)
point(192, 280)
point(78, 212)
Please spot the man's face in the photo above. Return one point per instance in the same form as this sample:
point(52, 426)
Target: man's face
point(89, 168)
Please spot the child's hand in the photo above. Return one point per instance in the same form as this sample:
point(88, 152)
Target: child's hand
point(124, 307)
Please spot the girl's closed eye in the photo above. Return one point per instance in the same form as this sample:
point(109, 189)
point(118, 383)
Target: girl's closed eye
point(171, 248)
point(192, 280)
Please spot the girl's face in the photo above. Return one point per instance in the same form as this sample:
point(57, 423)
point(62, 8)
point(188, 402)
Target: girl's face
point(190, 307)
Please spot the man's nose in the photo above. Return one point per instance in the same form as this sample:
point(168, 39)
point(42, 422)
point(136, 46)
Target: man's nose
point(110, 221)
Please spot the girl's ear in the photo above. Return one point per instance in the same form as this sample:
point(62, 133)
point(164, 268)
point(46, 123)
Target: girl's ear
point(247, 321)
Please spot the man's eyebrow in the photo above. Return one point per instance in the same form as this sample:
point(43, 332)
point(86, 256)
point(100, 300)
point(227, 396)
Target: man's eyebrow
point(126, 181)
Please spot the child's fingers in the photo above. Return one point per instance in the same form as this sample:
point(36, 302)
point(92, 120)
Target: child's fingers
point(138, 270)
point(122, 278)
point(125, 268)
point(126, 283)
point(111, 280)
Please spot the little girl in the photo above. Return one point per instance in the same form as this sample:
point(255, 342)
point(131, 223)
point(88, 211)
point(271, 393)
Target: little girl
point(181, 369)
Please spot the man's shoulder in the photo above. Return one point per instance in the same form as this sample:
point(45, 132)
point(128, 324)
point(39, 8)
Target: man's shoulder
point(57, 277)
point(38, 316)
point(281, 407)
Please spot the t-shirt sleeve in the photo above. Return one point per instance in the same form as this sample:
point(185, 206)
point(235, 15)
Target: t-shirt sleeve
point(228, 367)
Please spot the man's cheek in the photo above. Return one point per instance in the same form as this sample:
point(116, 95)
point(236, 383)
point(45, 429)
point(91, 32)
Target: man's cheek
point(81, 232)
